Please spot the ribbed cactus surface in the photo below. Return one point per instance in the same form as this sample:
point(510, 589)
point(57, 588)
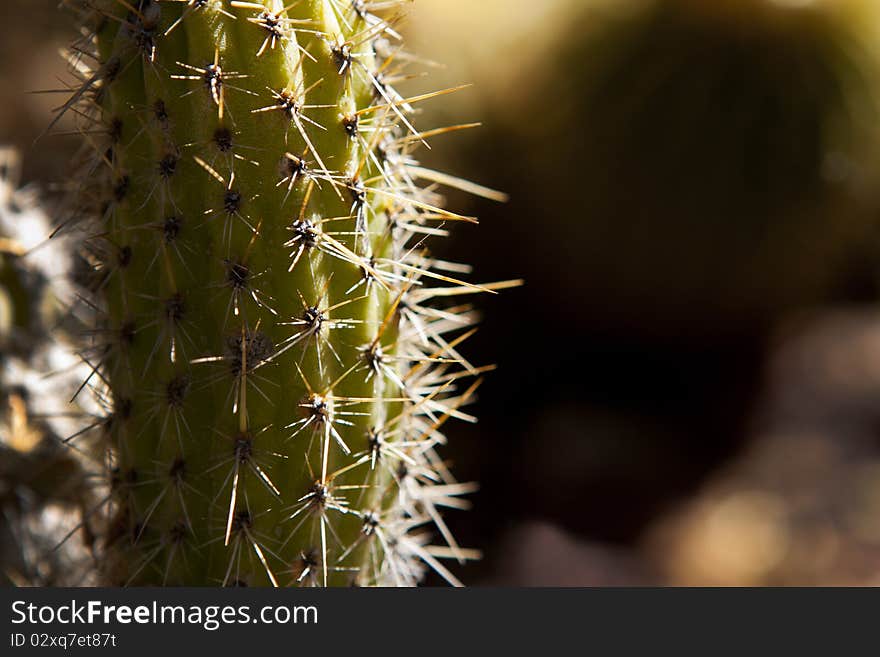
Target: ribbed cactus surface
point(275, 347)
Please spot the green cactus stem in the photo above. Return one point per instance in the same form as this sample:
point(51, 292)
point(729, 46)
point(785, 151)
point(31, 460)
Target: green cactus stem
point(276, 348)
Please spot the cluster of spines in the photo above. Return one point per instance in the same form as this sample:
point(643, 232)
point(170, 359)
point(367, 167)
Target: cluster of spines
point(276, 349)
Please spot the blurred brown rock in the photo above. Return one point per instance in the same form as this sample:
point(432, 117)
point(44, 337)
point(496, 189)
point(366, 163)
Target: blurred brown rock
point(802, 505)
point(542, 554)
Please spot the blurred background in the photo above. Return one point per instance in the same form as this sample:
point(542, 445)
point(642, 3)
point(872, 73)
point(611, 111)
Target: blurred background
point(688, 388)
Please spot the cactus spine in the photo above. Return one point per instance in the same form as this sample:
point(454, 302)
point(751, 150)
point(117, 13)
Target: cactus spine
point(274, 366)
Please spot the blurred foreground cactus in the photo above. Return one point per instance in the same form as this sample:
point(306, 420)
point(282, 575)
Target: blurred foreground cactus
point(275, 349)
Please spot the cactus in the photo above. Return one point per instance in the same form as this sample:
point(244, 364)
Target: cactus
point(43, 486)
point(276, 349)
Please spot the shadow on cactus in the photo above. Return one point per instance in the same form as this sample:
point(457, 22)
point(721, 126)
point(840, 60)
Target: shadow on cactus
point(275, 347)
